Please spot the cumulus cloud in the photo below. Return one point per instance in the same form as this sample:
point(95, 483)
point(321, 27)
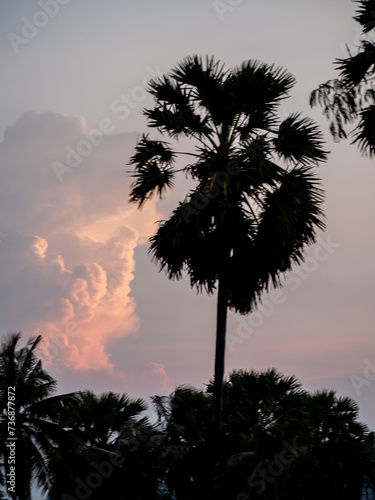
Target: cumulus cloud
point(68, 237)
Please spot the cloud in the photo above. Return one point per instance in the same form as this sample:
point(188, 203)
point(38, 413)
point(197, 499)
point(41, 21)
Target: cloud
point(67, 257)
point(159, 370)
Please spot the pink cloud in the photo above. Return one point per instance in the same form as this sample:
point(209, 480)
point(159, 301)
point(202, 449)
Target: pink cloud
point(69, 256)
point(159, 369)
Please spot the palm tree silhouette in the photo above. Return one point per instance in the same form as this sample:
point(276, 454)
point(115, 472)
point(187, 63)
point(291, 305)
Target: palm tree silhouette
point(36, 431)
point(100, 419)
point(100, 427)
point(184, 418)
point(339, 447)
point(280, 441)
point(248, 218)
point(264, 418)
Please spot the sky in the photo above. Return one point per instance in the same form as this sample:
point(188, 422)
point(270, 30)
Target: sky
point(74, 253)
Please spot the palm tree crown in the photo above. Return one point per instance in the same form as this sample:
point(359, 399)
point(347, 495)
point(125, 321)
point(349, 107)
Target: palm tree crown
point(248, 217)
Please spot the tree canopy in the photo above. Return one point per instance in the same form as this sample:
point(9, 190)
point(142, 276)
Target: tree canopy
point(280, 441)
point(257, 201)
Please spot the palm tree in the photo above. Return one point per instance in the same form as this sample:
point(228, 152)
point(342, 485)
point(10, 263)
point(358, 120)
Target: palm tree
point(342, 459)
point(266, 427)
point(37, 434)
point(351, 96)
point(184, 418)
point(140, 446)
point(248, 218)
point(100, 426)
point(100, 419)
point(280, 442)
point(295, 445)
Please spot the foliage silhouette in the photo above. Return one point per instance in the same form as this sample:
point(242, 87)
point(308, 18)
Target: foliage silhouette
point(280, 442)
point(37, 432)
point(350, 98)
point(100, 427)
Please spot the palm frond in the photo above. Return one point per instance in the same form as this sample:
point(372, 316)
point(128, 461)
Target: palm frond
point(150, 179)
point(288, 222)
point(153, 172)
point(182, 121)
point(203, 79)
point(176, 111)
point(201, 74)
point(365, 133)
point(147, 150)
point(258, 87)
point(339, 102)
point(354, 69)
point(366, 15)
point(299, 139)
point(344, 100)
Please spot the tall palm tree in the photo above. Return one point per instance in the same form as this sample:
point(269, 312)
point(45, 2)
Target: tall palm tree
point(36, 431)
point(248, 218)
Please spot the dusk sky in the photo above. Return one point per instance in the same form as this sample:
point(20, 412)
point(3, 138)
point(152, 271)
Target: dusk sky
point(73, 251)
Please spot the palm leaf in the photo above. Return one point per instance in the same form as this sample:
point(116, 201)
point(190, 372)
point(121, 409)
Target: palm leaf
point(291, 214)
point(300, 140)
point(153, 172)
point(365, 15)
point(365, 133)
point(256, 86)
point(355, 68)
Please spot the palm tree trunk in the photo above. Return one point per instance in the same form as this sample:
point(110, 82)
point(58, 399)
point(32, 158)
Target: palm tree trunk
point(217, 402)
point(221, 327)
